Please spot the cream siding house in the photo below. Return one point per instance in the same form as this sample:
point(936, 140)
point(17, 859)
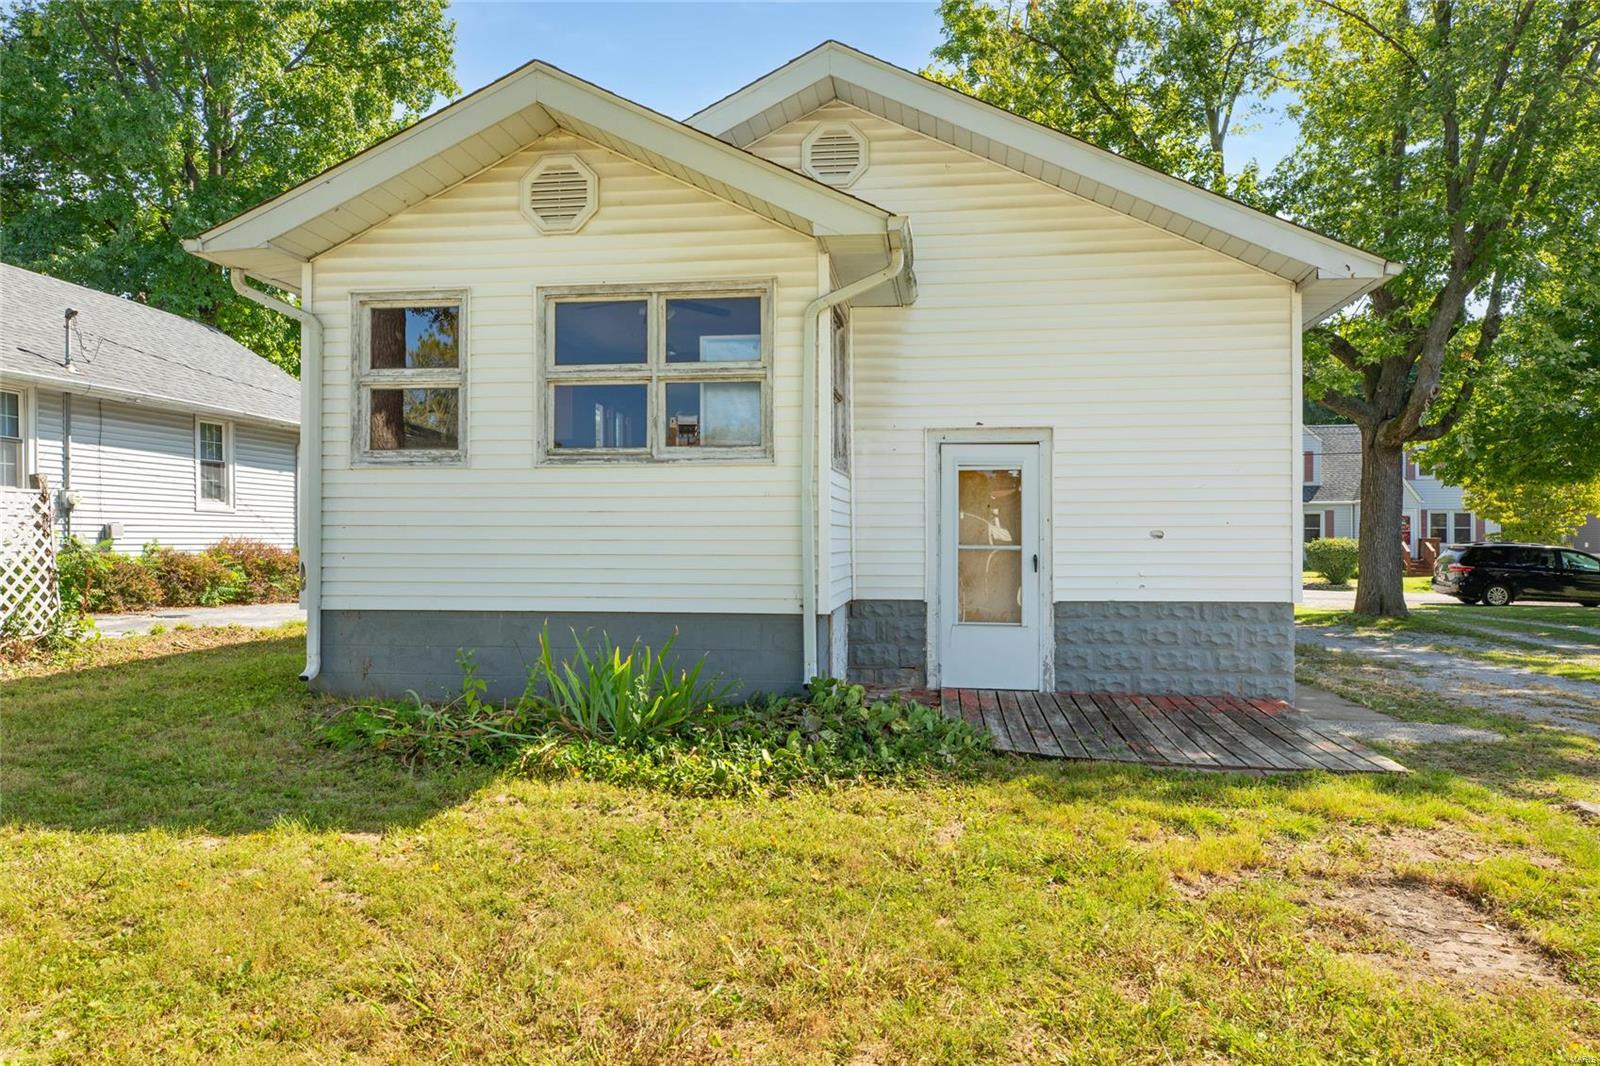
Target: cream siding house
point(574, 363)
point(147, 427)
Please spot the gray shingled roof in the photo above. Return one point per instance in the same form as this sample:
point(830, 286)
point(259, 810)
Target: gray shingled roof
point(135, 352)
point(1341, 465)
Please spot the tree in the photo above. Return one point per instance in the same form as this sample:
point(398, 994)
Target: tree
point(1161, 83)
point(134, 124)
point(1546, 514)
point(1459, 140)
point(1527, 451)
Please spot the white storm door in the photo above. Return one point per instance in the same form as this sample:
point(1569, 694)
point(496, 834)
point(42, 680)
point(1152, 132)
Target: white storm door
point(989, 566)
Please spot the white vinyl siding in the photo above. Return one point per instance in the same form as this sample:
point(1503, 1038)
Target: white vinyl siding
point(135, 465)
point(509, 530)
point(1164, 369)
point(840, 565)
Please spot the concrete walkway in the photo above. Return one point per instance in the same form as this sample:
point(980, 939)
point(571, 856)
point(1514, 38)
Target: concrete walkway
point(260, 615)
point(1331, 713)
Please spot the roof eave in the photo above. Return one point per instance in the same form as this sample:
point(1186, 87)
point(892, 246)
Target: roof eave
point(143, 399)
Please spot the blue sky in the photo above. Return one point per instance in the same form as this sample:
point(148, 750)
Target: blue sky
point(679, 57)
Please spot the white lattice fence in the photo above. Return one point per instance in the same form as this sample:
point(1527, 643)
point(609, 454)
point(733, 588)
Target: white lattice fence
point(29, 596)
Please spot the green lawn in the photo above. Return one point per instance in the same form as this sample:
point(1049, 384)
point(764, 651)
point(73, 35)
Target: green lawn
point(184, 875)
point(1312, 579)
point(1521, 636)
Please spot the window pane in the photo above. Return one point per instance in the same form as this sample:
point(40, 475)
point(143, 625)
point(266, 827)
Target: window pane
point(591, 333)
point(1463, 527)
point(404, 419)
point(1438, 525)
point(721, 329)
point(991, 506)
point(715, 414)
point(10, 415)
point(214, 481)
point(11, 463)
point(600, 416)
point(989, 585)
point(404, 338)
point(1585, 563)
point(1313, 524)
point(211, 442)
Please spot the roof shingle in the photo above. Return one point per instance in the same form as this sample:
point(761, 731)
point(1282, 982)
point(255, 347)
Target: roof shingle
point(121, 347)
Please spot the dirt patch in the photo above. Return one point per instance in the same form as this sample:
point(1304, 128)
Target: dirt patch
point(1422, 930)
point(946, 835)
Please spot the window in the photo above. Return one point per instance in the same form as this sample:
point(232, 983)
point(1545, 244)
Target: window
point(841, 391)
point(13, 458)
point(1585, 563)
point(1313, 526)
point(1439, 525)
point(410, 378)
point(1463, 527)
point(657, 374)
point(213, 447)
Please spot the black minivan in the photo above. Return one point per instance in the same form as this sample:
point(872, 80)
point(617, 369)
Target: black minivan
point(1496, 574)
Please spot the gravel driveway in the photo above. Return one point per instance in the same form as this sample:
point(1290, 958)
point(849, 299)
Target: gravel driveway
point(261, 615)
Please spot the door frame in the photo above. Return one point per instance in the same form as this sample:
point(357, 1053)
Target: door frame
point(1041, 437)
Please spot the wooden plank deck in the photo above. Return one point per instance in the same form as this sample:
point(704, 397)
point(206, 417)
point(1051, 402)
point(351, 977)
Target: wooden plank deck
point(1204, 732)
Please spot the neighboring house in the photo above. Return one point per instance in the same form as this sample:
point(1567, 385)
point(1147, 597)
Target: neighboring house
point(147, 426)
point(567, 359)
point(1331, 475)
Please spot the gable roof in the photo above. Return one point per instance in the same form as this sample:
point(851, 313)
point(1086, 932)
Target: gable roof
point(133, 353)
point(274, 238)
point(1341, 466)
point(1329, 273)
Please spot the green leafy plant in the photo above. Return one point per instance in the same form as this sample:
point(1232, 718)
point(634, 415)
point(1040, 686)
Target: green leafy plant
point(463, 730)
point(623, 697)
point(270, 574)
point(193, 579)
point(1335, 558)
point(99, 579)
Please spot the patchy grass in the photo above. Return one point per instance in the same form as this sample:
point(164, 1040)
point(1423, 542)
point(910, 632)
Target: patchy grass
point(185, 874)
point(1520, 637)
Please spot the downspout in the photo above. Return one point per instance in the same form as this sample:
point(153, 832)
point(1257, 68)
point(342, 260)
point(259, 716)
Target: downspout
point(808, 434)
point(310, 478)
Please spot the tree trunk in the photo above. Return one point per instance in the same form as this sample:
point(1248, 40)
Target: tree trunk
point(1379, 589)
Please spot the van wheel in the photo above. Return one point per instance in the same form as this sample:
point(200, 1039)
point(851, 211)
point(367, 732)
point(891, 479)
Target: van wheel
point(1497, 595)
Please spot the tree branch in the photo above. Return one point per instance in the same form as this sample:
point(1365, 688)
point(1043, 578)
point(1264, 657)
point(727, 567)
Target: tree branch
point(1386, 38)
point(1357, 410)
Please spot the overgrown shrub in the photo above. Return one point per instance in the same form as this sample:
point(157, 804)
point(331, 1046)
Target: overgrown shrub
point(1334, 558)
point(99, 579)
point(271, 574)
point(192, 579)
point(632, 718)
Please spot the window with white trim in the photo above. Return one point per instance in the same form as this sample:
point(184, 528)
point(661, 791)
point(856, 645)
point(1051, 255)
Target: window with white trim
point(657, 373)
point(213, 460)
point(1463, 526)
point(841, 390)
point(411, 377)
point(1313, 526)
point(13, 456)
point(1439, 525)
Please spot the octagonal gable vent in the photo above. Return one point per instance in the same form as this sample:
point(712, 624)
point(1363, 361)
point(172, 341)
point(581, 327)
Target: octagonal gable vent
point(559, 194)
point(834, 153)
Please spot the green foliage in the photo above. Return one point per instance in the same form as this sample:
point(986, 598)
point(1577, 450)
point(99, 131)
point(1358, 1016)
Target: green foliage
point(1139, 78)
point(632, 719)
point(1335, 558)
point(235, 570)
point(620, 698)
point(131, 125)
point(1547, 514)
point(99, 579)
point(192, 579)
point(269, 574)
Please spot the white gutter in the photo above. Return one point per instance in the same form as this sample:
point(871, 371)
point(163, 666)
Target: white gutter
point(808, 432)
point(310, 454)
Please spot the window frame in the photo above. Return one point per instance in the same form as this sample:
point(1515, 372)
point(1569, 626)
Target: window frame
point(655, 373)
point(1455, 526)
point(201, 503)
point(24, 438)
point(363, 379)
point(840, 413)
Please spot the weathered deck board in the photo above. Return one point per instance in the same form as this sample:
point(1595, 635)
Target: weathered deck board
point(1207, 732)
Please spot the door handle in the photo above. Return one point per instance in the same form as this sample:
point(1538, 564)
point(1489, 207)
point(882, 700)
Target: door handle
point(1036, 563)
